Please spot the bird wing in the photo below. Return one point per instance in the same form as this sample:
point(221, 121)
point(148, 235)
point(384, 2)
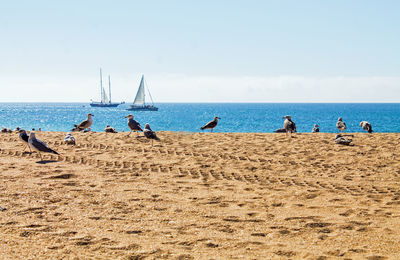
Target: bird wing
point(280, 130)
point(210, 124)
point(150, 134)
point(367, 127)
point(343, 140)
point(41, 146)
point(84, 124)
point(289, 125)
point(24, 137)
point(134, 125)
point(341, 124)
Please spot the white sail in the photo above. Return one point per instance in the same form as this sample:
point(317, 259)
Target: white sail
point(139, 99)
point(105, 98)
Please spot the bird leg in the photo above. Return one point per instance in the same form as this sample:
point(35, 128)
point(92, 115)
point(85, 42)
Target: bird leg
point(129, 133)
point(28, 147)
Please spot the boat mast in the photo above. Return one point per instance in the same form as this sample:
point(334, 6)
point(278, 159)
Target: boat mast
point(109, 88)
point(101, 87)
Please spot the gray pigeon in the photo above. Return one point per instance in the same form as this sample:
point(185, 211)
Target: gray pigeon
point(315, 129)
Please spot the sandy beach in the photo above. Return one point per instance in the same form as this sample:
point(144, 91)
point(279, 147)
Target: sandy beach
point(201, 196)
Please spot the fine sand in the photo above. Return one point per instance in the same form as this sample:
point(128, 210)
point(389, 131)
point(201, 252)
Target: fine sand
point(201, 196)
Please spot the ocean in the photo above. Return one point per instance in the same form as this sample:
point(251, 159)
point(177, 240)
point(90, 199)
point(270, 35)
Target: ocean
point(235, 117)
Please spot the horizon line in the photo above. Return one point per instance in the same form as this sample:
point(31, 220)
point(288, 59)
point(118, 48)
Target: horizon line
point(216, 102)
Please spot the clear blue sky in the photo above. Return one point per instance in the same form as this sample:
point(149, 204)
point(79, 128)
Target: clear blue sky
point(210, 51)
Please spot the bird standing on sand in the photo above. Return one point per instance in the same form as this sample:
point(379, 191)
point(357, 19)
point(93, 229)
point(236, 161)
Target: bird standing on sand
point(24, 138)
point(6, 130)
point(110, 129)
point(211, 124)
point(39, 145)
point(280, 130)
point(366, 126)
point(339, 139)
point(84, 124)
point(315, 129)
point(150, 134)
point(340, 124)
point(133, 124)
point(69, 139)
point(289, 125)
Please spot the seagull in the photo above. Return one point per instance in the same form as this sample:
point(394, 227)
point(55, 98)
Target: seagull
point(84, 124)
point(339, 139)
point(39, 145)
point(340, 124)
point(150, 134)
point(289, 125)
point(133, 124)
point(24, 138)
point(211, 124)
point(280, 130)
point(366, 126)
point(110, 129)
point(69, 139)
point(315, 129)
point(5, 130)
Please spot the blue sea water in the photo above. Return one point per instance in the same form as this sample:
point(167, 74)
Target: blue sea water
point(235, 117)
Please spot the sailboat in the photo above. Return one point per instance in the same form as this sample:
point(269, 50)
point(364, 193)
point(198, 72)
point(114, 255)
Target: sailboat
point(105, 101)
point(139, 103)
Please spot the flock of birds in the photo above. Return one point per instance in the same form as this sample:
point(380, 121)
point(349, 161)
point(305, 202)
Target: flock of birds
point(289, 127)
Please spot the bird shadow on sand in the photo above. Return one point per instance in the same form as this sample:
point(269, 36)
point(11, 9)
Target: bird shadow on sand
point(46, 161)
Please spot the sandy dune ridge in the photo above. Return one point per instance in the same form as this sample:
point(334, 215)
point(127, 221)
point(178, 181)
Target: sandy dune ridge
point(201, 195)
